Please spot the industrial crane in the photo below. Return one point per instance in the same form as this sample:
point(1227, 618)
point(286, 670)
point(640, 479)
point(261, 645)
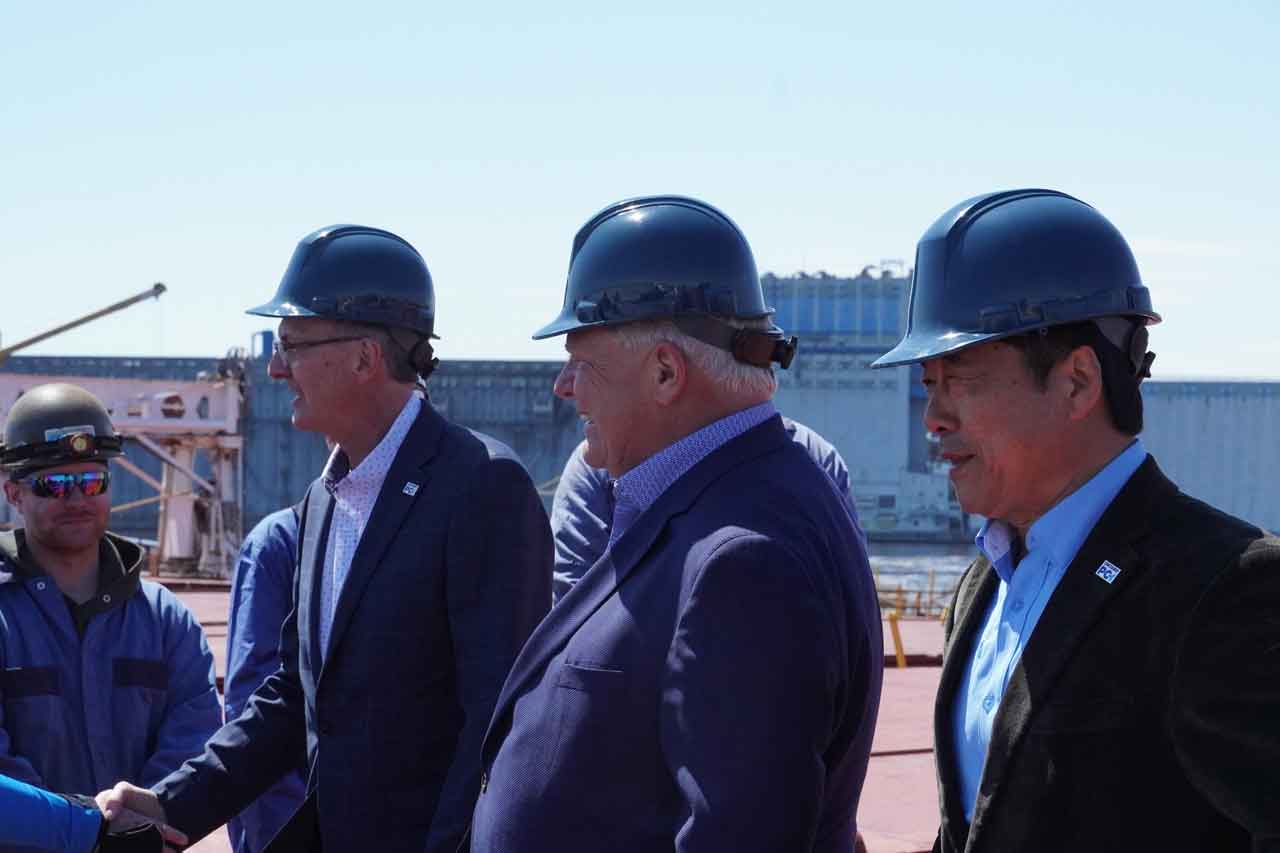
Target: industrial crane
point(152, 292)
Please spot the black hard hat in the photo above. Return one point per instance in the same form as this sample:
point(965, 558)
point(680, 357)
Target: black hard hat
point(1012, 262)
point(56, 424)
point(668, 257)
point(359, 274)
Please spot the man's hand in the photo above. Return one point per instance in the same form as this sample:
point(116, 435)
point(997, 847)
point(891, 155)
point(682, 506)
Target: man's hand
point(128, 807)
point(130, 798)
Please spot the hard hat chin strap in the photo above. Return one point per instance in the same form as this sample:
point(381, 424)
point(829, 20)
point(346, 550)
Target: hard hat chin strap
point(757, 347)
point(1130, 338)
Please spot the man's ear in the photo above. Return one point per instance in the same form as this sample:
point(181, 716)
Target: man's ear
point(1080, 377)
point(369, 359)
point(12, 494)
point(668, 372)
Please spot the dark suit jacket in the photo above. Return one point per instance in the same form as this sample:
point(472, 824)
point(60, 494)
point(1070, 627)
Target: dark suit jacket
point(711, 683)
point(444, 588)
point(1144, 713)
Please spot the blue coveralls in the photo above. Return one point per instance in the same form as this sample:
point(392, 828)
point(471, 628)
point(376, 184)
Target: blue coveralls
point(131, 699)
point(261, 597)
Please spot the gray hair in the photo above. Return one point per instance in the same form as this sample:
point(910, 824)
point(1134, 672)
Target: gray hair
point(735, 376)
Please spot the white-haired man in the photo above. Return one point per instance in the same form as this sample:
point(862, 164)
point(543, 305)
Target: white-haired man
point(712, 682)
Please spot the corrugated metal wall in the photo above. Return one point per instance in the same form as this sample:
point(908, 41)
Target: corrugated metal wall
point(1218, 442)
point(513, 402)
point(862, 412)
point(869, 307)
point(279, 461)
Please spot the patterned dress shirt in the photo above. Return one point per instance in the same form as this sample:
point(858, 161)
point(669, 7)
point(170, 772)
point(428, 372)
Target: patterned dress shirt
point(636, 490)
point(355, 491)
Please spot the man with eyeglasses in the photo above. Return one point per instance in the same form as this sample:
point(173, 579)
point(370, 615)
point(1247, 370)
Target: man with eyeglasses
point(424, 562)
point(103, 676)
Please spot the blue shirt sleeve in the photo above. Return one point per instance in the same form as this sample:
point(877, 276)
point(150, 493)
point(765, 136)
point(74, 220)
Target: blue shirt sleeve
point(581, 515)
point(35, 818)
point(828, 459)
point(261, 598)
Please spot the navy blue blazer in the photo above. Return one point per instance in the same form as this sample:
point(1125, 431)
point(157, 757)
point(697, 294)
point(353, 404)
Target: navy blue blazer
point(446, 584)
point(711, 684)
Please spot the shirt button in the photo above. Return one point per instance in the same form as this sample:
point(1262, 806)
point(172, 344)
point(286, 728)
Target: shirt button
point(1016, 606)
point(989, 702)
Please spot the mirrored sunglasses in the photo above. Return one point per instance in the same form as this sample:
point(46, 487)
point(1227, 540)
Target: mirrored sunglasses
point(91, 483)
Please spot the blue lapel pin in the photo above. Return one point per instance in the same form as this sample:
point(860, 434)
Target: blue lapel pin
point(1108, 571)
point(410, 489)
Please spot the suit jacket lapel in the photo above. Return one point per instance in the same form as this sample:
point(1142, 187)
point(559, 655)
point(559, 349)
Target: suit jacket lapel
point(311, 563)
point(973, 598)
point(411, 465)
point(622, 558)
point(1078, 602)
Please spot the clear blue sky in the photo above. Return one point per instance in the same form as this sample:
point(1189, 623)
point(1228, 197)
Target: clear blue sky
point(196, 145)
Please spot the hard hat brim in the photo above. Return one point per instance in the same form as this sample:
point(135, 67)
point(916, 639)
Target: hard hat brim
point(563, 326)
point(914, 349)
point(281, 308)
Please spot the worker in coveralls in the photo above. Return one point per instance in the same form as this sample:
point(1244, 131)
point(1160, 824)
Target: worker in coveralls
point(103, 675)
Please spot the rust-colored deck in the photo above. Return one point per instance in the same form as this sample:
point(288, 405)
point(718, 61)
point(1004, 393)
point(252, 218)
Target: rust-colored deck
point(899, 808)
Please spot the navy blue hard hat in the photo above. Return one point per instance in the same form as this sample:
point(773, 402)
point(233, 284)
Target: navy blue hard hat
point(668, 256)
point(1012, 262)
point(358, 274)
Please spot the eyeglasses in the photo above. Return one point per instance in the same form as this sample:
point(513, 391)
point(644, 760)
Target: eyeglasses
point(91, 483)
point(286, 350)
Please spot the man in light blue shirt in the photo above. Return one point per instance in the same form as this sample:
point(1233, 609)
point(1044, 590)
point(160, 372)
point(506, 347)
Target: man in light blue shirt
point(1111, 671)
point(1026, 583)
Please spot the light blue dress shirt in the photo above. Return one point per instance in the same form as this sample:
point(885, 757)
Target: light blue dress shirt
point(1025, 589)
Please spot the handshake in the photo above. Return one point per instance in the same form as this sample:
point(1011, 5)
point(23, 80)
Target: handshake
point(133, 821)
